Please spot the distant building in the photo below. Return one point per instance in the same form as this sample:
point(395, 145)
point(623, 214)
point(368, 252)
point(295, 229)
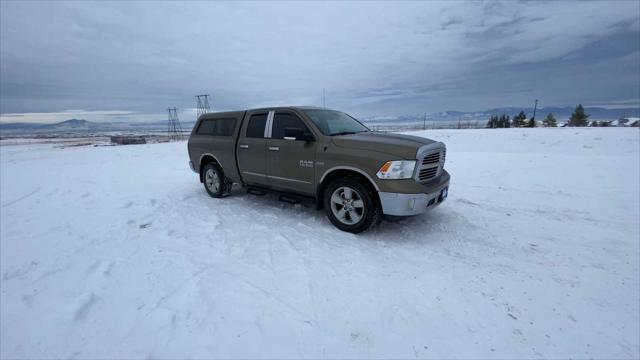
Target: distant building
point(537, 123)
point(128, 140)
point(630, 121)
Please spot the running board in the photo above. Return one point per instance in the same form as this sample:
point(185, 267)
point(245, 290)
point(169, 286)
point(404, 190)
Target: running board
point(290, 199)
point(286, 197)
point(256, 192)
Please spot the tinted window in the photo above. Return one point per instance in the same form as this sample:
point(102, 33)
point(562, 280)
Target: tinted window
point(255, 129)
point(216, 127)
point(282, 121)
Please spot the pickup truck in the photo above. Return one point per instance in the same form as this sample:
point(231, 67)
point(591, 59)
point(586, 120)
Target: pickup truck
point(355, 174)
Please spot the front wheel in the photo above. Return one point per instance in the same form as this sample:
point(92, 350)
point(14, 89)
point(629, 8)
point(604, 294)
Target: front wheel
point(350, 206)
point(216, 184)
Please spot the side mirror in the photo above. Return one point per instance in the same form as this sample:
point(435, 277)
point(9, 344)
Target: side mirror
point(297, 134)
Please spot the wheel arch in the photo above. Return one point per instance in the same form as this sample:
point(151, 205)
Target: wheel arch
point(206, 159)
point(345, 171)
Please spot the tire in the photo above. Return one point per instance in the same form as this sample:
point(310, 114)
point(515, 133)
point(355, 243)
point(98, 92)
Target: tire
point(350, 205)
point(214, 181)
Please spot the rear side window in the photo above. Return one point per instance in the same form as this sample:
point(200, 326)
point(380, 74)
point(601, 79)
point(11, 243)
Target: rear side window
point(255, 128)
point(216, 127)
point(282, 121)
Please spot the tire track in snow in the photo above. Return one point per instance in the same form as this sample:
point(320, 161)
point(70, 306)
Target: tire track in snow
point(265, 292)
point(85, 307)
point(22, 197)
point(310, 281)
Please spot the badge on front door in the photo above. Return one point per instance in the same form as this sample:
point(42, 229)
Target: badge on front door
point(306, 163)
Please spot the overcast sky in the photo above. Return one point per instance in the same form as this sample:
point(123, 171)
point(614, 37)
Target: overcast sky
point(114, 61)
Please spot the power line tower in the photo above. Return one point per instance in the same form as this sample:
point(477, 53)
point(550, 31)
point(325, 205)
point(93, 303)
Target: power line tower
point(174, 130)
point(203, 104)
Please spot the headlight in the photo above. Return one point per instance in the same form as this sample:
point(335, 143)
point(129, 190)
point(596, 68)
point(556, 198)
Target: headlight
point(399, 169)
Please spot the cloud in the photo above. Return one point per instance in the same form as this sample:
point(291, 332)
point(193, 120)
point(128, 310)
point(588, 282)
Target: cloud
point(619, 104)
point(372, 58)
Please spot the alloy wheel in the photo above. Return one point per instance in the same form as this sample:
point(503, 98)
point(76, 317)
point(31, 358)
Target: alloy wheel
point(212, 180)
point(347, 205)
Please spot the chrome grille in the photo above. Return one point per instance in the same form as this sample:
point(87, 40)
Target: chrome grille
point(431, 165)
point(431, 159)
point(428, 173)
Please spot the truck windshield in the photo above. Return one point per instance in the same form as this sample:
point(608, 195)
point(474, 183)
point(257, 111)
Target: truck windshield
point(332, 122)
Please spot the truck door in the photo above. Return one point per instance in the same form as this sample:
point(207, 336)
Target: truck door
point(252, 147)
point(290, 161)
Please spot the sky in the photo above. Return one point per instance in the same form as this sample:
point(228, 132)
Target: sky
point(129, 61)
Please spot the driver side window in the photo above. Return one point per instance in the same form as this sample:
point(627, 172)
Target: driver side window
point(283, 121)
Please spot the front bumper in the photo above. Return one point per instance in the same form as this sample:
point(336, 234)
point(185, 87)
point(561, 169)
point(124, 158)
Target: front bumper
point(398, 204)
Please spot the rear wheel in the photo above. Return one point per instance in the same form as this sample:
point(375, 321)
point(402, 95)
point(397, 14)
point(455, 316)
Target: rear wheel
point(350, 205)
point(216, 184)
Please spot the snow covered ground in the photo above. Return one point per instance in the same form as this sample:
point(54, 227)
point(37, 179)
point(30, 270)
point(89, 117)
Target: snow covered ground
point(117, 252)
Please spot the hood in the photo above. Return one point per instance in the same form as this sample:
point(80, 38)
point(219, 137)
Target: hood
point(402, 146)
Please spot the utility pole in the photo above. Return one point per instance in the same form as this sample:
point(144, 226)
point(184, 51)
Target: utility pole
point(424, 121)
point(535, 107)
point(324, 105)
point(203, 104)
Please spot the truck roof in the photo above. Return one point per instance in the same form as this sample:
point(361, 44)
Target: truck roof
point(288, 107)
point(238, 112)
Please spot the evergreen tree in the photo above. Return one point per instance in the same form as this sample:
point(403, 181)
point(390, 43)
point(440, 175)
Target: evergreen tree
point(605, 123)
point(532, 123)
point(507, 121)
point(516, 121)
point(493, 122)
point(550, 121)
point(502, 121)
point(519, 120)
point(579, 118)
point(594, 123)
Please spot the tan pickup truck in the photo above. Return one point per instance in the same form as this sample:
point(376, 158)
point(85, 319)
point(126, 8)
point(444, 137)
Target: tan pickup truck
point(355, 174)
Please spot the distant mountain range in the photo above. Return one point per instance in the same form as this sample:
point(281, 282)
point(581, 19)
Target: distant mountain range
point(73, 126)
point(561, 113)
point(84, 126)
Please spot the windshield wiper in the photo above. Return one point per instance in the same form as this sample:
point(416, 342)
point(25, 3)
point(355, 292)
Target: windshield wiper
point(343, 133)
point(347, 132)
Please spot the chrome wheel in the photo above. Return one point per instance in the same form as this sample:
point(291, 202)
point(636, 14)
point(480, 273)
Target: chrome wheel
point(347, 205)
point(212, 180)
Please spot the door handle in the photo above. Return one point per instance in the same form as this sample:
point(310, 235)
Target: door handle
point(274, 148)
point(244, 146)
